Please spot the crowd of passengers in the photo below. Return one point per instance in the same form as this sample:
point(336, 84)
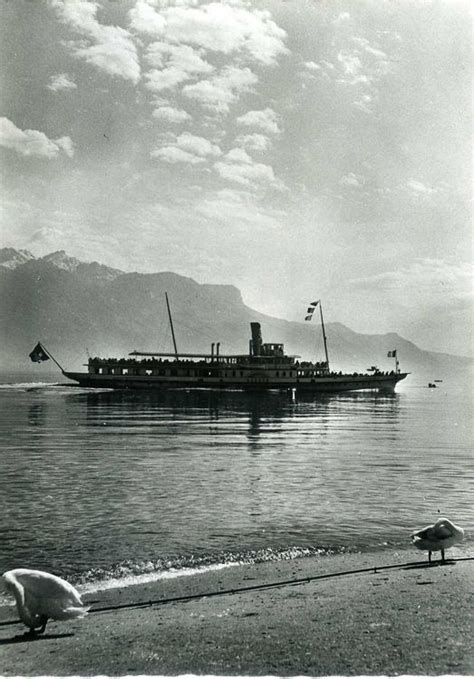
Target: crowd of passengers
point(155, 362)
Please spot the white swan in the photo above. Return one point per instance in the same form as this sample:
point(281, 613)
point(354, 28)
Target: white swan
point(439, 536)
point(40, 596)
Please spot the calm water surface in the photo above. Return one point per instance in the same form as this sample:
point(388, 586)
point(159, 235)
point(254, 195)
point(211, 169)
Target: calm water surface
point(96, 484)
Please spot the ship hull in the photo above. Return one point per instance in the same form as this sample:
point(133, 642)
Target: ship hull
point(323, 385)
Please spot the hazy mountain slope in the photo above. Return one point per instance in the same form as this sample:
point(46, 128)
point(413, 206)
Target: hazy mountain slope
point(75, 308)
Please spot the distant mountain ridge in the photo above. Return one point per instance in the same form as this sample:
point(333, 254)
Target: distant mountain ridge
point(11, 259)
point(76, 307)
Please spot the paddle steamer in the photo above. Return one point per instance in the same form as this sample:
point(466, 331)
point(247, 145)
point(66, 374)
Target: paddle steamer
point(265, 366)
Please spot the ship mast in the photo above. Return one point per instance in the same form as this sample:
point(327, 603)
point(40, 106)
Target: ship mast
point(171, 324)
point(324, 334)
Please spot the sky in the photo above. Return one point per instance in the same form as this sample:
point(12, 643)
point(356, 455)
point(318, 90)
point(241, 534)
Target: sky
point(297, 149)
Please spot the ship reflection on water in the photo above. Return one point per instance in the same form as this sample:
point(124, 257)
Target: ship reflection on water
point(262, 410)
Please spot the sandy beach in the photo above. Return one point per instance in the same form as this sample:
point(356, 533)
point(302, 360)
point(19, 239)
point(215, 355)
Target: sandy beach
point(410, 618)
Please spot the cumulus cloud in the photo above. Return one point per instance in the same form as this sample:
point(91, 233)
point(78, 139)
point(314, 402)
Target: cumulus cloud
point(65, 143)
point(198, 145)
point(165, 79)
point(144, 19)
point(237, 166)
point(61, 81)
point(266, 120)
point(214, 26)
point(225, 88)
point(171, 115)
point(190, 37)
point(109, 48)
point(187, 148)
point(182, 57)
point(115, 54)
point(254, 142)
point(173, 154)
point(172, 65)
point(32, 142)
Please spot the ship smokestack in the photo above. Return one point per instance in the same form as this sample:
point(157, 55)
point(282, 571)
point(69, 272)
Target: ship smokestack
point(217, 348)
point(212, 350)
point(256, 339)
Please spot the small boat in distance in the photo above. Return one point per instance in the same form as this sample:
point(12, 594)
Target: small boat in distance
point(265, 366)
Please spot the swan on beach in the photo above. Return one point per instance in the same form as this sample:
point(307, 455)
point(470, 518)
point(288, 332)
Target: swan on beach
point(439, 536)
point(40, 596)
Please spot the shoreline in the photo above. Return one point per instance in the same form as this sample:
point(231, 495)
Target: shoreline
point(404, 617)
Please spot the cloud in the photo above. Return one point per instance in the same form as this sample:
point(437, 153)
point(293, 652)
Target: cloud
point(187, 148)
point(194, 40)
point(363, 103)
point(168, 78)
point(237, 166)
point(354, 63)
point(240, 208)
point(198, 145)
point(214, 26)
point(418, 188)
point(109, 48)
point(351, 63)
point(144, 19)
point(266, 120)
point(115, 55)
point(342, 18)
point(254, 142)
point(61, 81)
point(428, 193)
point(424, 279)
point(173, 154)
point(65, 143)
point(181, 57)
point(171, 115)
point(312, 66)
point(80, 15)
point(237, 155)
point(173, 64)
point(312, 70)
point(224, 89)
point(351, 180)
point(32, 142)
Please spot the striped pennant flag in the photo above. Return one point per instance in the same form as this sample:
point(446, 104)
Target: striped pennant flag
point(310, 310)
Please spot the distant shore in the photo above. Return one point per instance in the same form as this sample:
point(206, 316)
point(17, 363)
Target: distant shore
point(407, 619)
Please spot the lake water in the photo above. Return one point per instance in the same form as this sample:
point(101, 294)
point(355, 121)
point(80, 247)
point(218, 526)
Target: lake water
point(98, 484)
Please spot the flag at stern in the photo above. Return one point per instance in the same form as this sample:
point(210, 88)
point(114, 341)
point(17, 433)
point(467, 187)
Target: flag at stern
point(38, 355)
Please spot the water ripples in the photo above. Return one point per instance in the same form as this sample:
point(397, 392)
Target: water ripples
point(94, 482)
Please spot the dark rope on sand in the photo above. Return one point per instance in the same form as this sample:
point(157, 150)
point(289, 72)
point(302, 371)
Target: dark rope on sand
point(253, 588)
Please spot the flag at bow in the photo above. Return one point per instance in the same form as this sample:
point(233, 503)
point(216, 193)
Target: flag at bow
point(392, 354)
point(39, 354)
point(310, 310)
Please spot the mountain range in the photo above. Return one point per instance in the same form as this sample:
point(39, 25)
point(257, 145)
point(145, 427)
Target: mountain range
point(78, 309)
